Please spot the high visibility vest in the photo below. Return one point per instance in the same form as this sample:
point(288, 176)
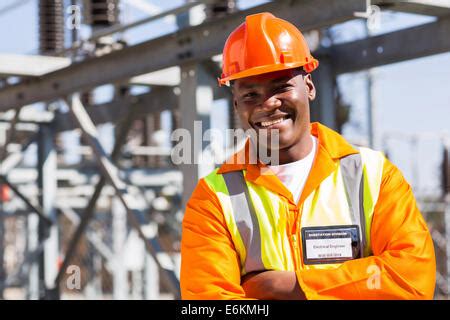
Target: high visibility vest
point(257, 217)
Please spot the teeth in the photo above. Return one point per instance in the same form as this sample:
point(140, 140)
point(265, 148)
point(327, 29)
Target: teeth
point(269, 123)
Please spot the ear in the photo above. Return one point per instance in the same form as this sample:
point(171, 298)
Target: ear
point(310, 88)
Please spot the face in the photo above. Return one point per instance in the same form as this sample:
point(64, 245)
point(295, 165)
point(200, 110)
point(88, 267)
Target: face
point(277, 100)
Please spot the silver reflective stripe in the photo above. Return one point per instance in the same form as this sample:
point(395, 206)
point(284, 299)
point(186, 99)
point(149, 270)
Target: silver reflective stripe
point(352, 174)
point(246, 219)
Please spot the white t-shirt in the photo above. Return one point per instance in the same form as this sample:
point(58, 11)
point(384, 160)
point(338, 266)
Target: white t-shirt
point(294, 174)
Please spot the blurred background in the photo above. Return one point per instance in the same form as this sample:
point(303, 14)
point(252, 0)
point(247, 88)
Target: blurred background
point(91, 90)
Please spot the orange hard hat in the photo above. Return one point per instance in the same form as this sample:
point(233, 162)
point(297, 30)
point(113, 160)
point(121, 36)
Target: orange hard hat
point(263, 44)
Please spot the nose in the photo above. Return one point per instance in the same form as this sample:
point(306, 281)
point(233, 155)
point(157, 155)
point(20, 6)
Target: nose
point(271, 102)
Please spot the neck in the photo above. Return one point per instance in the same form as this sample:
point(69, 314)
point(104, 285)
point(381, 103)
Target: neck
point(297, 151)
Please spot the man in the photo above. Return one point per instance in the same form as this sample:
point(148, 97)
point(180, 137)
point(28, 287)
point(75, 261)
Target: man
point(329, 221)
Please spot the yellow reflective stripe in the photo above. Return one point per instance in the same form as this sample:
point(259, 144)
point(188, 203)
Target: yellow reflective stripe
point(327, 205)
point(373, 163)
point(217, 184)
point(272, 218)
point(245, 218)
point(352, 173)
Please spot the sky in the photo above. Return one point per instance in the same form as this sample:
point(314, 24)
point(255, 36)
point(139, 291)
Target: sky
point(411, 97)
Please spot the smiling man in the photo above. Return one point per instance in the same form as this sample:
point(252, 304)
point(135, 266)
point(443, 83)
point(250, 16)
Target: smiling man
point(328, 221)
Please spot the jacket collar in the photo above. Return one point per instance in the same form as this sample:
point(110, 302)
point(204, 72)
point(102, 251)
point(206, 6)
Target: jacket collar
point(333, 143)
point(331, 146)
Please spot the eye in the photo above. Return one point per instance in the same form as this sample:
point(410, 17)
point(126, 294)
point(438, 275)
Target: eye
point(283, 87)
point(249, 95)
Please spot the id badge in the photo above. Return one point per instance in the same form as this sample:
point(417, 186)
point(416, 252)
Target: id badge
point(331, 244)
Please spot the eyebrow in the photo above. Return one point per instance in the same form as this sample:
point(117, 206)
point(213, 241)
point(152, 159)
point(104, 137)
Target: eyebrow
point(278, 80)
point(247, 86)
point(273, 81)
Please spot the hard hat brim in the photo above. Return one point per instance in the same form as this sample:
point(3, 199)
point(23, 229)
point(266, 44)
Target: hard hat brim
point(309, 67)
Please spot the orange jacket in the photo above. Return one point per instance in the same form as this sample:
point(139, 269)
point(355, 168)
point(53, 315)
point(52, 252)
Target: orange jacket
point(401, 243)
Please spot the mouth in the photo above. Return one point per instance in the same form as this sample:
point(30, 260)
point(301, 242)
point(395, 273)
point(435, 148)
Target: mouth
point(273, 123)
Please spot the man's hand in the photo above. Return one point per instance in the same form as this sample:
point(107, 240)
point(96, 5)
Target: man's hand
point(272, 285)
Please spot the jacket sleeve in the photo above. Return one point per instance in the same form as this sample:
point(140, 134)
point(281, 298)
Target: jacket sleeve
point(209, 263)
point(403, 264)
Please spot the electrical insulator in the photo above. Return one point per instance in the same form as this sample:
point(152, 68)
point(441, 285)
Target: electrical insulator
point(221, 8)
point(51, 26)
point(104, 13)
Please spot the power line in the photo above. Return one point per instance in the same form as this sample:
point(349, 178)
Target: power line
point(13, 6)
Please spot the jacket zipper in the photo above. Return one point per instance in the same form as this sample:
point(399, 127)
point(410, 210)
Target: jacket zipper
point(295, 247)
point(294, 238)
